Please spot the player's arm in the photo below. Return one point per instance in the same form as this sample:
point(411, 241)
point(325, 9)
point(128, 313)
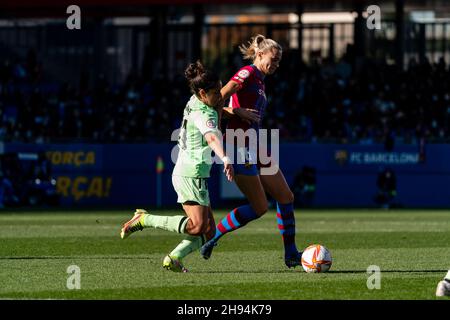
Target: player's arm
point(206, 124)
point(244, 113)
point(227, 91)
point(215, 143)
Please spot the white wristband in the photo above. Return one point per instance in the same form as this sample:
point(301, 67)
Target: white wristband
point(226, 160)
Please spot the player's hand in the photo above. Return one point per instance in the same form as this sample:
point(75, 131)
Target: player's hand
point(246, 114)
point(228, 170)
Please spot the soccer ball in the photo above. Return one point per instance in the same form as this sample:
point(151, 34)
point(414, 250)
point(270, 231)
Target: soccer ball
point(316, 258)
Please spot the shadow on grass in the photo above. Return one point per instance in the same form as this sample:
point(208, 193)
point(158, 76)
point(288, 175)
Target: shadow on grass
point(329, 272)
point(72, 257)
point(387, 271)
point(210, 271)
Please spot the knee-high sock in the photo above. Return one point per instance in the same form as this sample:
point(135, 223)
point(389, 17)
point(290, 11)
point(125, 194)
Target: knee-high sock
point(168, 223)
point(236, 219)
point(188, 245)
point(286, 225)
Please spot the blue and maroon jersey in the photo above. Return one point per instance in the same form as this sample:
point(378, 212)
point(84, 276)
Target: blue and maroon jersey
point(251, 94)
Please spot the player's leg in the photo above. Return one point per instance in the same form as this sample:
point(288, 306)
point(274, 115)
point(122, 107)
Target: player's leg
point(277, 187)
point(211, 226)
point(187, 189)
point(201, 221)
point(251, 187)
point(142, 219)
point(193, 193)
point(195, 228)
point(443, 288)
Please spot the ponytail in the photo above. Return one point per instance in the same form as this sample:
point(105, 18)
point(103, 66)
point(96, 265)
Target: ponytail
point(256, 44)
point(200, 78)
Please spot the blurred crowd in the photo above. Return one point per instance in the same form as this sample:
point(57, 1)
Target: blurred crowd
point(34, 110)
point(367, 101)
point(26, 179)
point(364, 102)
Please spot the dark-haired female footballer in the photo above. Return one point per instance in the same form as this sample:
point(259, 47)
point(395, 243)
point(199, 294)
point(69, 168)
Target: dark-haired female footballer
point(199, 135)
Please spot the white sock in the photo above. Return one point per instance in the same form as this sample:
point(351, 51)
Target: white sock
point(447, 277)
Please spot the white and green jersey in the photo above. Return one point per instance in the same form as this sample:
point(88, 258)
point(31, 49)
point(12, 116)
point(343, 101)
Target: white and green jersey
point(194, 157)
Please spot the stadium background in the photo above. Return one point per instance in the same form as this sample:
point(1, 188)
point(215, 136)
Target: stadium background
point(100, 103)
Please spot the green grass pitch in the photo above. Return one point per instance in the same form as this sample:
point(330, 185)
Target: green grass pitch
point(411, 247)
